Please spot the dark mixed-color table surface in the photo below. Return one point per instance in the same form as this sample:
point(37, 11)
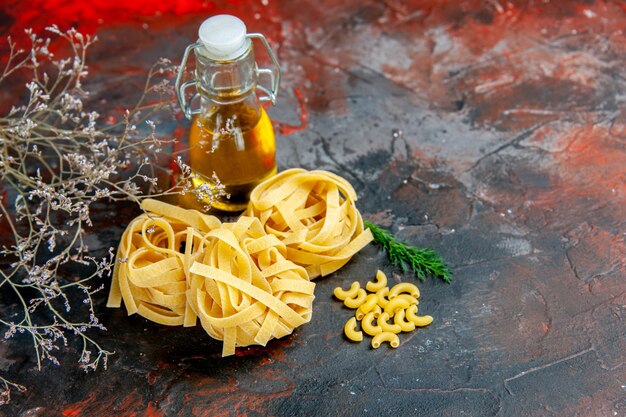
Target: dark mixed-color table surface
point(493, 131)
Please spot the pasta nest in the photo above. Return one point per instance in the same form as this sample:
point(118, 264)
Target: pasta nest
point(153, 260)
point(243, 288)
point(314, 214)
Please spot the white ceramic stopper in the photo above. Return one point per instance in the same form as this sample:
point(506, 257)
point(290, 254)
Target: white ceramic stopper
point(223, 37)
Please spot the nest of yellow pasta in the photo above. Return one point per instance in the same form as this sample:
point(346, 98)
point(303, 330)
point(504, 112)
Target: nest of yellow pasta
point(243, 288)
point(248, 281)
point(153, 261)
point(314, 214)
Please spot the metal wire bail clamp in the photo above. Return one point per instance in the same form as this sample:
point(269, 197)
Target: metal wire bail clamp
point(269, 94)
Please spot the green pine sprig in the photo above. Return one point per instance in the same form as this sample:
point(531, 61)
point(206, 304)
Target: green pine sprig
point(422, 261)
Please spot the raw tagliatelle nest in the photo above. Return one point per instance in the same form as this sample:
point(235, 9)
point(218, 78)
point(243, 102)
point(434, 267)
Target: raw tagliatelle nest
point(244, 290)
point(314, 214)
point(248, 281)
point(153, 261)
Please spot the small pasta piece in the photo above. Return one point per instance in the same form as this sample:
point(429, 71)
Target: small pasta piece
point(356, 300)
point(393, 339)
point(419, 321)
point(404, 287)
point(351, 332)
point(399, 319)
point(382, 294)
point(342, 294)
point(382, 322)
point(422, 321)
point(377, 310)
point(368, 327)
point(409, 298)
point(381, 282)
point(367, 306)
point(396, 304)
point(370, 302)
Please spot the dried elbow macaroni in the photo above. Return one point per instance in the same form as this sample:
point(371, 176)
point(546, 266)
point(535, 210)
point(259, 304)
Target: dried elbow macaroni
point(384, 312)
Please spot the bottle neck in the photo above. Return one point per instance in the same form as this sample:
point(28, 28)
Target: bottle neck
point(235, 113)
point(226, 82)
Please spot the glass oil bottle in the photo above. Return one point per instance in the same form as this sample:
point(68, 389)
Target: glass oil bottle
point(231, 135)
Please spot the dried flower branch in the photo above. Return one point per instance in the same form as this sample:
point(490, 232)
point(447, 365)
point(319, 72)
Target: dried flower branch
point(56, 162)
point(5, 390)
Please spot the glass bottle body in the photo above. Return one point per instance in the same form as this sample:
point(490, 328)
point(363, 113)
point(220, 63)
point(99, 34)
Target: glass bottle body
point(236, 142)
point(232, 135)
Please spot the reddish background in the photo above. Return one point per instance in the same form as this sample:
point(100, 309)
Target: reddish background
point(494, 131)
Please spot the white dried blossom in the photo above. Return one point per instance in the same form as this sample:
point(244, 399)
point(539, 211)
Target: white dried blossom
point(58, 161)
